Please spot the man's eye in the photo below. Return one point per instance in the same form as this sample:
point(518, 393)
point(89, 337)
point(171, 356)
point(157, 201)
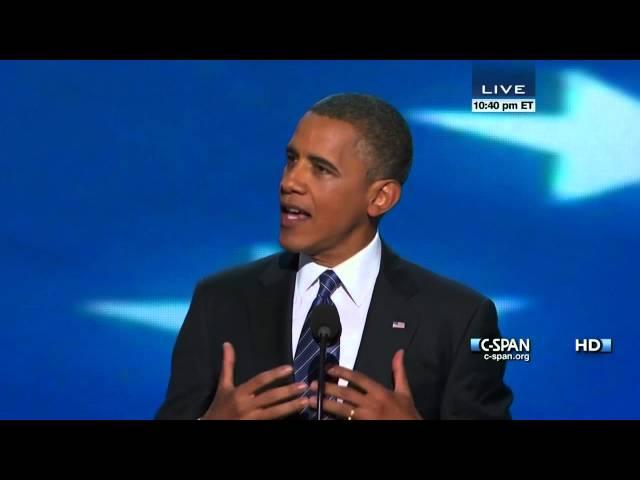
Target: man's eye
point(322, 169)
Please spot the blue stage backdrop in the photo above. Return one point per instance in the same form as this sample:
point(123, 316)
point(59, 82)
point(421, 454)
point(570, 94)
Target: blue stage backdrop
point(124, 182)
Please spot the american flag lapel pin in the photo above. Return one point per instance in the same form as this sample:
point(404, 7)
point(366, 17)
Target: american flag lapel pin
point(398, 325)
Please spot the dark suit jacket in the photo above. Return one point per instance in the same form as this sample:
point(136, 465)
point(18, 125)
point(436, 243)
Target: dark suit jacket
point(250, 307)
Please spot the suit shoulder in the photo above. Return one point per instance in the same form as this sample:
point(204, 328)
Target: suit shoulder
point(237, 277)
point(447, 302)
point(439, 286)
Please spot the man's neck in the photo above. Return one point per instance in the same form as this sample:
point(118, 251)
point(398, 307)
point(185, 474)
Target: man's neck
point(333, 258)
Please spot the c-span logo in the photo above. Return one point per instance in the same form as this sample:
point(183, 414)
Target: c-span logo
point(500, 349)
point(505, 87)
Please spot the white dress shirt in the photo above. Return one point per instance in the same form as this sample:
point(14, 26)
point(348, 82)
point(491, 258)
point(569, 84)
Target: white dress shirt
point(352, 298)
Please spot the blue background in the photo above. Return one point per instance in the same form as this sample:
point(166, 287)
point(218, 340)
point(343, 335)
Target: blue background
point(124, 182)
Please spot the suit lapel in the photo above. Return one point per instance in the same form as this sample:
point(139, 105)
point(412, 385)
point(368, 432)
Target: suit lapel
point(270, 316)
point(390, 323)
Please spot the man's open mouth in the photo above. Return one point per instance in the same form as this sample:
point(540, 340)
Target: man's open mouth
point(291, 215)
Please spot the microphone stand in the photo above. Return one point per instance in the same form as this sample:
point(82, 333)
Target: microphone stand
point(321, 366)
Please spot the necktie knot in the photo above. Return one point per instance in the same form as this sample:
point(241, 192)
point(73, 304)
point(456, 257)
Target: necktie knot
point(329, 282)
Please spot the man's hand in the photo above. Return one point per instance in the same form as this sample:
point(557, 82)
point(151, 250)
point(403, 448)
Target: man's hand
point(373, 402)
point(242, 402)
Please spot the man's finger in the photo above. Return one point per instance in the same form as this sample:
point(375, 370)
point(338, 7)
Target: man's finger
point(342, 410)
point(278, 395)
point(280, 410)
point(347, 394)
point(400, 381)
point(265, 378)
point(228, 364)
point(359, 379)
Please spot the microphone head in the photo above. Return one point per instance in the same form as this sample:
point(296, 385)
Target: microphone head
point(325, 322)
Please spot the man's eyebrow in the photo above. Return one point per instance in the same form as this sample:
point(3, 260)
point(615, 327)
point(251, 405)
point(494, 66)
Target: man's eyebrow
point(291, 150)
point(315, 159)
point(323, 162)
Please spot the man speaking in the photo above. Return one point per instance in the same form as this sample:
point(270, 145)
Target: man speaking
point(246, 349)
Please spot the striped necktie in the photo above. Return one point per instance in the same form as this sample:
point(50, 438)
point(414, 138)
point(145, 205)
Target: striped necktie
point(306, 359)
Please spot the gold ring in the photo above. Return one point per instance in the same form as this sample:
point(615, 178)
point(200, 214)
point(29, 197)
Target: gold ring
point(351, 414)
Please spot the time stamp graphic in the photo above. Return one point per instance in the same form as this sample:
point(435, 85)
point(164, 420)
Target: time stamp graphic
point(509, 88)
point(503, 105)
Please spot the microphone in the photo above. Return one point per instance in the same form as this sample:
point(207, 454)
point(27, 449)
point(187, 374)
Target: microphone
point(326, 329)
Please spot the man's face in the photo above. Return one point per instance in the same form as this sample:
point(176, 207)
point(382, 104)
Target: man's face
point(324, 191)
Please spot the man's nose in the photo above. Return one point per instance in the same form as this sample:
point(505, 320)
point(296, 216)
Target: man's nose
point(293, 179)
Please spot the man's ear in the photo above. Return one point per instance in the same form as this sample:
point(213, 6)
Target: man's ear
point(383, 196)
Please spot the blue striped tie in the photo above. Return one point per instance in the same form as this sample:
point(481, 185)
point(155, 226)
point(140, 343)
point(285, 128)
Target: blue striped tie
point(305, 362)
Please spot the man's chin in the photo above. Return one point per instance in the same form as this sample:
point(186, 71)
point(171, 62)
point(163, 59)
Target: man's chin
point(292, 244)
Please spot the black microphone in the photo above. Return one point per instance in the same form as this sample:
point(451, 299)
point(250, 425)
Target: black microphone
point(326, 329)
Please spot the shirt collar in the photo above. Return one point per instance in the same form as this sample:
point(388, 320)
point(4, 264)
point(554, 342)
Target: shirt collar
point(357, 274)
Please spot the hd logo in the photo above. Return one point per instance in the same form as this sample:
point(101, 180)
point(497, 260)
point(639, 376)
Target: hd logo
point(500, 349)
point(594, 345)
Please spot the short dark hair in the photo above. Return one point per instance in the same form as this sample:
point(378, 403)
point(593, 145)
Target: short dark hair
point(384, 130)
